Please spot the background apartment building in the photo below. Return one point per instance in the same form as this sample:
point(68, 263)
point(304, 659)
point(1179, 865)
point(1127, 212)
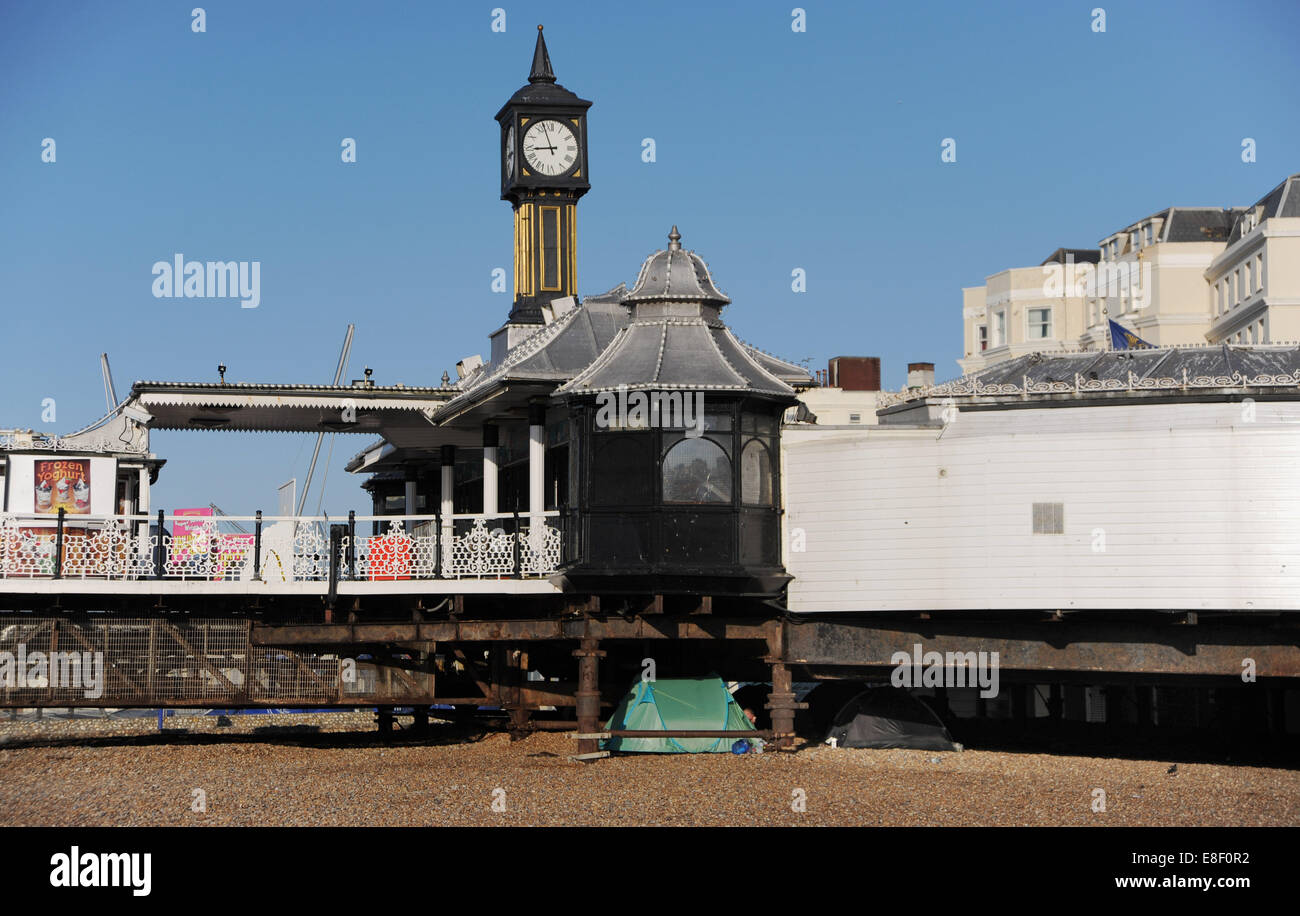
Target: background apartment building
point(1184, 275)
point(1018, 311)
point(1255, 280)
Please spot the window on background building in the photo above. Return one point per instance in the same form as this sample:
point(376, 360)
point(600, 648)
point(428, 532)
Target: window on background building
point(855, 418)
point(999, 328)
point(982, 336)
point(1133, 240)
point(1218, 298)
point(1040, 324)
point(1259, 273)
point(1147, 233)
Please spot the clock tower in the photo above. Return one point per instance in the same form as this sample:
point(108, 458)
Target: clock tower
point(543, 173)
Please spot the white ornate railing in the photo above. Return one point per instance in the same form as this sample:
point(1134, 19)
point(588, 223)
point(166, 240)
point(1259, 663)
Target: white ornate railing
point(973, 387)
point(279, 549)
point(77, 443)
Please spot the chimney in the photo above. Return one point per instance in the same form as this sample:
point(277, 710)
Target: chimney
point(920, 375)
point(854, 373)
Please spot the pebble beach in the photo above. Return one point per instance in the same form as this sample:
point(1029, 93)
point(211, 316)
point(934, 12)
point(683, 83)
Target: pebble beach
point(334, 769)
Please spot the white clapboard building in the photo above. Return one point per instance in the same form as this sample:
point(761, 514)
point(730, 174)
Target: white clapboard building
point(1143, 480)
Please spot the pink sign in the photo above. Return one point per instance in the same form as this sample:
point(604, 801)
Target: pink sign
point(184, 533)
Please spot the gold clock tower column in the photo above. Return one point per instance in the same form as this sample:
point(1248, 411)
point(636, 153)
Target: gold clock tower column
point(544, 172)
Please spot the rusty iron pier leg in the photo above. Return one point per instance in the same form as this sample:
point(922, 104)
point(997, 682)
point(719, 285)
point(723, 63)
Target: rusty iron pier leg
point(588, 694)
point(1144, 704)
point(780, 702)
point(1020, 705)
point(941, 704)
point(516, 665)
point(1275, 701)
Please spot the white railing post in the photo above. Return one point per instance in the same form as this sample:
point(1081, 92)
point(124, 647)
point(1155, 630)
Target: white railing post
point(491, 441)
point(536, 469)
point(448, 506)
point(410, 498)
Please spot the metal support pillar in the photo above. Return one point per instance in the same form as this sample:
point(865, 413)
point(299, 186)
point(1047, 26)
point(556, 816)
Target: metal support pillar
point(1276, 706)
point(780, 702)
point(1020, 704)
point(1145, 702)
point(588, 694)
point(420, 720)
point(782, 706)
point(516, 665)
point(941, 704)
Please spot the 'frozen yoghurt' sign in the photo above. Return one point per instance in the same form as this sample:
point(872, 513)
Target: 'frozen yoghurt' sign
point(62, 484)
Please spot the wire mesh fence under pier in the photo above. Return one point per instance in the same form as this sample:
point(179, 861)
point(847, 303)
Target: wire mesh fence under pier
point(205, 663)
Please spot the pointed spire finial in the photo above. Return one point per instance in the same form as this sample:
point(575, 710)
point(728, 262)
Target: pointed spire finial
point(674, 239)
point(542, 72)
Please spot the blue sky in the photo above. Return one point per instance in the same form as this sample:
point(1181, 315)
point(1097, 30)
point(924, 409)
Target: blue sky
point(775, 150)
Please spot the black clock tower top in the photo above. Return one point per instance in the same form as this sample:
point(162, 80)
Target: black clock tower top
point(542, 72)
point(541, 88)
point(544, 172)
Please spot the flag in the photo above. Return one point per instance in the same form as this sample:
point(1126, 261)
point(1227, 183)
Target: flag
point(1121, 338)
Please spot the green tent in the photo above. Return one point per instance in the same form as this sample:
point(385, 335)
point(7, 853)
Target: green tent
point(674, 704)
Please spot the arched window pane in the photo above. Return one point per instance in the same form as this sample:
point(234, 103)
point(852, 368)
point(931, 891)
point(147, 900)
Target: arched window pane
point(622, 466)
point(697, 471)
point(756, 474)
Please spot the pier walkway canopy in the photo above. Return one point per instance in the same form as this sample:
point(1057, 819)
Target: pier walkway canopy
point(401, 414)
point(677, 704)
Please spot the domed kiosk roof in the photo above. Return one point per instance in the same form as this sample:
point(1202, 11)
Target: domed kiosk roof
point(675, 274)
point(676, 340)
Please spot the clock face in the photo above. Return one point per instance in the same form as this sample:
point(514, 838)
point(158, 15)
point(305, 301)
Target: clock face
point(510, 152)
point(550, 147)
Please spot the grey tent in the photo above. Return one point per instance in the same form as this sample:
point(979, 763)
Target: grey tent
point(883, 717)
